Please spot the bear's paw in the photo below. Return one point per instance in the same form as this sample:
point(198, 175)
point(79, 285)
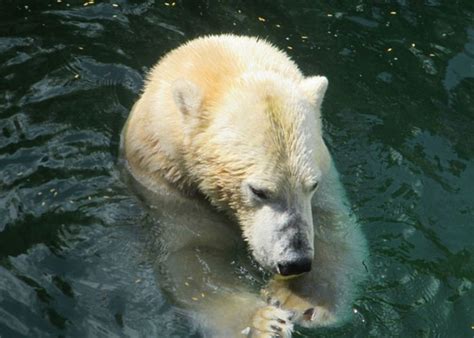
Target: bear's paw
point(308, 312)
point(270, 321)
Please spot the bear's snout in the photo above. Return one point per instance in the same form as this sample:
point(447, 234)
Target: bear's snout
point(294, 267)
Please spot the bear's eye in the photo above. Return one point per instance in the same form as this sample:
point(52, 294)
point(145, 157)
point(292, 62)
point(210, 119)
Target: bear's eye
point(314, 186)
point(260, 193)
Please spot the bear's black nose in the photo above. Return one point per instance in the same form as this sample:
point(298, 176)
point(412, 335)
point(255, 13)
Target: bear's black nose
point(295, 267)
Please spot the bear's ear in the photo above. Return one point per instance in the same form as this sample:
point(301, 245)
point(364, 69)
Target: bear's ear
point(187, 96)
point(314, 87)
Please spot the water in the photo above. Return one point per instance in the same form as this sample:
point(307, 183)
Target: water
point(398, 117)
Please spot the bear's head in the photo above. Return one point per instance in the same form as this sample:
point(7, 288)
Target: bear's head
point(258, 153)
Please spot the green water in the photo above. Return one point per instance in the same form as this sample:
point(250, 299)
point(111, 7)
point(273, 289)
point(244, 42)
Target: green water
point(398, 117)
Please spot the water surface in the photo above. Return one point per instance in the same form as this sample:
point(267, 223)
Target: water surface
point(399, 116)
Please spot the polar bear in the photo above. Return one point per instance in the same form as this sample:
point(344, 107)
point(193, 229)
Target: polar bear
point(226, 142)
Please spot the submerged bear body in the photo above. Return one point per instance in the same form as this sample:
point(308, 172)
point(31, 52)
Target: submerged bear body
point(227, 140)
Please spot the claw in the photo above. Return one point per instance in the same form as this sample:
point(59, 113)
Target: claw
point(271, 321)
point(275, 302)
point(276, 328)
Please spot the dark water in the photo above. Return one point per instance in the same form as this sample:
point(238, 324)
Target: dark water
point(399, 117)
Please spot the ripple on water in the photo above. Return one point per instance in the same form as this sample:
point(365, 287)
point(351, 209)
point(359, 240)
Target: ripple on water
point(66, 266)
point(398, 117)
point(83, 74)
